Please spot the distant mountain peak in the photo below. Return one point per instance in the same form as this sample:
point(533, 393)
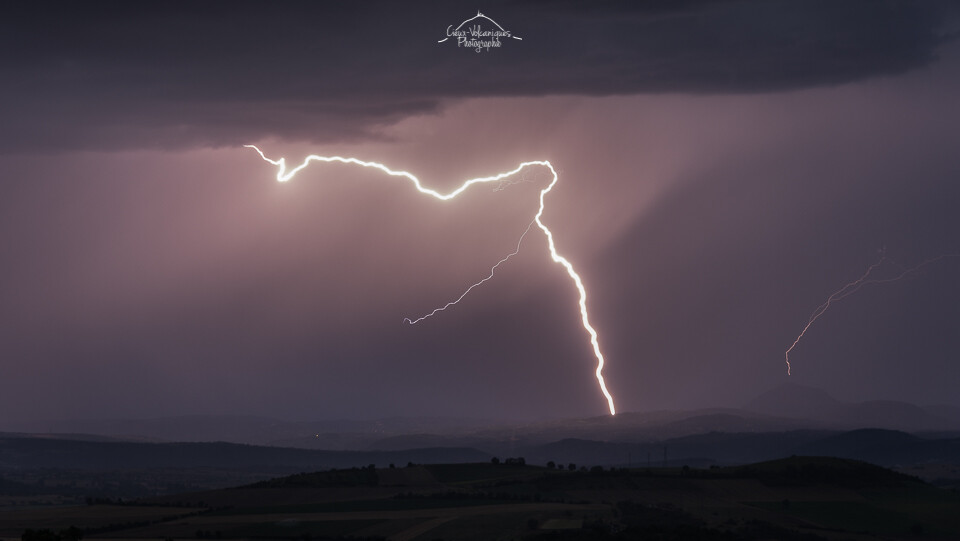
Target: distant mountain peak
point(802, 402)
point(794, 400)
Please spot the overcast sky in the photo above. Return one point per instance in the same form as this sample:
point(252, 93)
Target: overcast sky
point(723, 168)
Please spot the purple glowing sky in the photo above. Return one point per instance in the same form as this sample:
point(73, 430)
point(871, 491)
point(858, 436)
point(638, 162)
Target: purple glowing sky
point(723, 168)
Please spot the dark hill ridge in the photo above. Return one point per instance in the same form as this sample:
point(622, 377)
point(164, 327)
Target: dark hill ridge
point(253, 430)
point(887, 447)
point(825, 470)
point(797, 498)
point(48, 452)
point(787, 407)
point(799, 402)
point(770, 426)
point(805, 469)
point(883, 447)
point(792, 400)
point(646, 427)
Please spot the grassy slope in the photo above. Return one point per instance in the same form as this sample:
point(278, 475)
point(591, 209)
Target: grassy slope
point(795, 498)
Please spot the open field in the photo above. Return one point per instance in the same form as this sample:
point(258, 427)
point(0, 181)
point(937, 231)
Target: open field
point(796, 498)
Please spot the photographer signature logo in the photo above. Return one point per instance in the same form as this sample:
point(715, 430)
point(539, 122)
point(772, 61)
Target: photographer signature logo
point(481, 35)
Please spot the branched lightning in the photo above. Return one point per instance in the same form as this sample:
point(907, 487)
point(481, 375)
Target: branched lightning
point(846, 290)
point(855, 286)
point(507, 182)
point(493, 269)
point(283, 175)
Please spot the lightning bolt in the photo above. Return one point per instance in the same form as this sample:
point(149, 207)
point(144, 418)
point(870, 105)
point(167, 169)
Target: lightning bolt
point(283, 175)
point(854, 286)
point(493, 269)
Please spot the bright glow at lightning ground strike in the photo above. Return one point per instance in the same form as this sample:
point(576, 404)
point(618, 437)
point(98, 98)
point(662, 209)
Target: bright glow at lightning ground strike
point(283, 175)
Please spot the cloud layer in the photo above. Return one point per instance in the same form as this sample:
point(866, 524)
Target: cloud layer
point(116, 75)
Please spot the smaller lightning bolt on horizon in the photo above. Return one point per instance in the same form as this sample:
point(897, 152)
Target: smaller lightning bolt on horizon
point(854, 286)
point(283, 176)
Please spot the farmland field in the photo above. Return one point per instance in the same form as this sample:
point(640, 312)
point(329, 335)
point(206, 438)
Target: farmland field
point(796, 498)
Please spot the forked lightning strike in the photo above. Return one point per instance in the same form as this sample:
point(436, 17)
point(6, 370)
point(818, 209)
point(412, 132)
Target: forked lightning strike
point(493, 270)
point(283, 175)
point(855, 286)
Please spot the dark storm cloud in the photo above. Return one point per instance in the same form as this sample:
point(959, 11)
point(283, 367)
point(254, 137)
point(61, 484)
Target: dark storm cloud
point(736, 257)
point(104, 75)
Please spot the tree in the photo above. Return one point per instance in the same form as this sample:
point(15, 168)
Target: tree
point(494, 461)
point(551, 465)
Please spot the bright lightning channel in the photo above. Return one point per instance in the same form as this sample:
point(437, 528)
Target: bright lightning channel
point(283, 176)
point(855, 286)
